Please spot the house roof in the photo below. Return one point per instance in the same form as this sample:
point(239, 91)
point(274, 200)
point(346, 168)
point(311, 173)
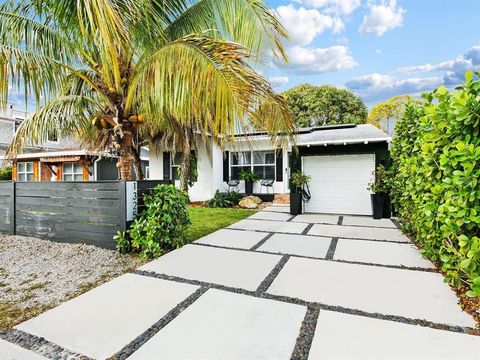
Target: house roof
point(333, 134)
point(343, 135)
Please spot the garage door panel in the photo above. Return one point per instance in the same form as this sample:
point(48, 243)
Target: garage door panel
point(339, 183)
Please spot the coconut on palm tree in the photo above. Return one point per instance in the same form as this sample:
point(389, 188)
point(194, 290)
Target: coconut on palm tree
point(117, 73)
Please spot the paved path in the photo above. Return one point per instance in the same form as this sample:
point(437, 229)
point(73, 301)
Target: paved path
point(271, 286)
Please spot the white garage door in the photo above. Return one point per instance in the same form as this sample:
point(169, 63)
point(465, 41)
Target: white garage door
point(339, 183)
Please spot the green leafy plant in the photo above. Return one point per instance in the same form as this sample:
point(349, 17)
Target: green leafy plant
point(224, 199)
point(124, 245)
point(380, 184)
point(435, 179)
point(6, 173)
point(162, 226)
point(298, 181)
point(249, 176)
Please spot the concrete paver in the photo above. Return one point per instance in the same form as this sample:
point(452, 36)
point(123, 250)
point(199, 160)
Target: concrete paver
point(314, 246)
point(357, 232)
point(240, 269)
point(317, 218)
point(345, 336)
point(232, 238)
point(368, 221)
point(381, 253)
point(221, 325)
point(277, 208)
point(9, 351)
point(412, 294)
point(102, 321)
point(272, 226)
point(268, 215)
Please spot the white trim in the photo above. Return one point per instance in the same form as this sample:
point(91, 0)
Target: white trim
point(346, 141)
point(53, 154)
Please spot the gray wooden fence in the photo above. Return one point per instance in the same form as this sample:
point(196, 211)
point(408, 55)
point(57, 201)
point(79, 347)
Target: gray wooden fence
point(75, 212)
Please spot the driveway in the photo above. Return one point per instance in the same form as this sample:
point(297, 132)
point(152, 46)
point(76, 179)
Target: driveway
point(271, 286)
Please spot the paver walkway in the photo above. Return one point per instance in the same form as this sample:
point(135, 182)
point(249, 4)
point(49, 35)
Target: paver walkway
point(272, 286)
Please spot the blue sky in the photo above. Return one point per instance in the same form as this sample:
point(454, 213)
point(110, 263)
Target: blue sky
point(378, 48)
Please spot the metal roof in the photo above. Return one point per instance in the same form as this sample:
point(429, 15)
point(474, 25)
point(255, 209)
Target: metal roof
point(347, 135)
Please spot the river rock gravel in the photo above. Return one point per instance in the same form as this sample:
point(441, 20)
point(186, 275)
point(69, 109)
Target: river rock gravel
point(36, 272)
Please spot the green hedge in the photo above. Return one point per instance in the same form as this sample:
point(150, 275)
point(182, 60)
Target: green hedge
point(6, 173)
point(435, 179)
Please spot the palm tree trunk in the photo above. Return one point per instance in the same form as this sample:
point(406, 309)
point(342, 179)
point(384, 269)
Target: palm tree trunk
point(126, 159)
point(185, 166)
point(137, 164)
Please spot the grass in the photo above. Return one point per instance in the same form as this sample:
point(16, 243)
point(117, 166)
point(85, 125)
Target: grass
point(207, 220)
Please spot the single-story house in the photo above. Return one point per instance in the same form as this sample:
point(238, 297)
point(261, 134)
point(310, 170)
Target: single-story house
point(339, 159)
point(68, 165)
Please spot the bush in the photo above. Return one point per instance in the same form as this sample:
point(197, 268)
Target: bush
point(380, 184)
point(6, 173)
point(224, 199)
point(435, 179)
point(162, 226)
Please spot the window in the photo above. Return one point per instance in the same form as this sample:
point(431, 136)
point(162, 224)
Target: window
point(240, 161)
point(175, 166)
point(263, 163)
point(72, 172)
point(147, 172)
point(25, 171)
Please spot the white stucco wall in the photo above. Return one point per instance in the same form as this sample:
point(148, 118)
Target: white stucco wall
point(210, 169)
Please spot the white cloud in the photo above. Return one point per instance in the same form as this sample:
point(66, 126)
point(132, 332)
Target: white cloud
point(304, 25)
point(382, 17)
point(454, 70)
point(343, 7)
point(278, 81)
point(380, 87)
point(319, 60)
point(378, 52)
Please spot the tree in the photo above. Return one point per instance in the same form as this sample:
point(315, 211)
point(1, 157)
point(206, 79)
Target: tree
point(116, 73)
point(390, 110)
point(324, 105)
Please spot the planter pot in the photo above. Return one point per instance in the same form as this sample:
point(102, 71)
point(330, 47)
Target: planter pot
point(378, 200)
point(295, 204)
point(387, 208)
point(248, 187)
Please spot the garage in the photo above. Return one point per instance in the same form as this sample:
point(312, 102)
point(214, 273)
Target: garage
point(339, 183)
point(340, 161)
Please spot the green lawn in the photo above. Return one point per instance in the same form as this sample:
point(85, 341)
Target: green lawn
point(207, 220)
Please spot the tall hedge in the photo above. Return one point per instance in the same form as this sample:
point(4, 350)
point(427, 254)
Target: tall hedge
point(435, 179)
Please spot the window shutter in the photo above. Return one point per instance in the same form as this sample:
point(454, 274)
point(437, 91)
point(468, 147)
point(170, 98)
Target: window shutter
point(226, 165)
point(166, 165)
point(35, 171)
point(279, 165)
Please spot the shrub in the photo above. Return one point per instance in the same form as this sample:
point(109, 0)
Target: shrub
point(298, 181)
point(6, 173)
point(162, 226)
point(435, 179)
point(249, 176)
point(380, 184)
point(224, 199)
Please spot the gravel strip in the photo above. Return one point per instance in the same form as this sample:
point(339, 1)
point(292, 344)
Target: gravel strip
point(36, 272)
point(40, 345)
point(307, 331)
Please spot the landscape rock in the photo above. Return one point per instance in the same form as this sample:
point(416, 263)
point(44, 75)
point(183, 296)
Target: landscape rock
point(250, 202)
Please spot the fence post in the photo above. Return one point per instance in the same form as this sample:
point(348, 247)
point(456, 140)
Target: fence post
point(13, 200)
point(123, 205)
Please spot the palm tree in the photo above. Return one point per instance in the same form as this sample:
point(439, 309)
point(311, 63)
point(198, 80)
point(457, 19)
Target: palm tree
point(116, 73)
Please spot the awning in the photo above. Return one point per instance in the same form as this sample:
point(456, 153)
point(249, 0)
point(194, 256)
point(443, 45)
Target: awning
point(60, 159)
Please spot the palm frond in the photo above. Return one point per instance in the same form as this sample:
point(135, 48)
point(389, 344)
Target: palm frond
point(71, 115)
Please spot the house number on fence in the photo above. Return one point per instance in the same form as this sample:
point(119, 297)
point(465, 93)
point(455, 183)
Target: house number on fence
point(132, 200)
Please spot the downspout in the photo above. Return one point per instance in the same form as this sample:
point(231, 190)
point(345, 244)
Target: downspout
point(95, 168)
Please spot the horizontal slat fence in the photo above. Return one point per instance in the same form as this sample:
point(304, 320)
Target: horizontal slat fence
point(75, 212)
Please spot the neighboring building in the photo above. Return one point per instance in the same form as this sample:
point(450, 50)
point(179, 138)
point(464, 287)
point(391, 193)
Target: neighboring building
point(340, 160)
point(58, 159)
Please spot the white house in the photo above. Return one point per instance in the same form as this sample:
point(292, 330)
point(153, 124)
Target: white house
point(340, 160)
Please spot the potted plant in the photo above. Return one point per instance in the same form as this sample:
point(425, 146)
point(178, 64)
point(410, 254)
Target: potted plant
point(249, 177)
point(298, 182)
point(379, 189)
